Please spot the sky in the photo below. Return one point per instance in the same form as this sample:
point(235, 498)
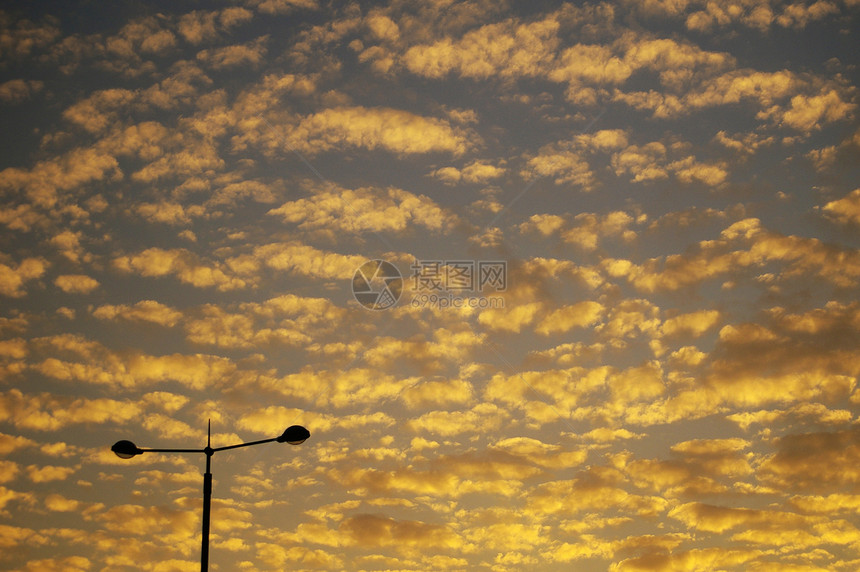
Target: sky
point(553, 286)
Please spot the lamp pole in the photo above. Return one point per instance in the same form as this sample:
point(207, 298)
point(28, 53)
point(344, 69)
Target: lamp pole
point(294, 435)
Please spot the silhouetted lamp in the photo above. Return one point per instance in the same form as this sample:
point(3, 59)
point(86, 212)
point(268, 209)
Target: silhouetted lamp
point(294, 435)
point(125, 449)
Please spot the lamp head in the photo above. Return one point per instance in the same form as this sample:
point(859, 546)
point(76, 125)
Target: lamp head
point(125, 449)
point(294, 435)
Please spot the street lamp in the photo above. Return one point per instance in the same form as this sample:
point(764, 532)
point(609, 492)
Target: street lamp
point(294, 435)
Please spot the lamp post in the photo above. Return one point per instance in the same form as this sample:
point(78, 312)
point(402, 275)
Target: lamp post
point(294, 435)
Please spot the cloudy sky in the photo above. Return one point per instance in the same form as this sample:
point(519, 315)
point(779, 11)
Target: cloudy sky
point(626, 326)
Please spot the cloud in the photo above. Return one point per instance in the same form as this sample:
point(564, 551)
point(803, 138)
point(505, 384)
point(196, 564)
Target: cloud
point(283, 6)
point(75, 358)
point(249, 55)
point(693, 324)
point(760, 14)
point(173, 526)
point(743, 143)
point(589, 229)
point(301, 259)
point(185, 265)
point(689, 170)
point(645, 163)
point(510, 318)
point(366, 210)
point(755, 248)
point(845, 210)
point(43, 183)
point(593, 64)
point(437, 393)
point(98, 111)
point(143, 311)
point(578, 315)
point(474, 172)
point(18, 90)
point(147, 140)
point(809, 113)
point(545, 224)
point(480, 418)
point(232, 193)
point(198, 26)
point(798, 15)
point(377, 530)
point(288, 320)
point(21, 37)
point(650, 162)
point(566, 166)
point(76, 283)
point(197, 158)
point(69, 244)
point(48, 473)
point(505, 49)
point(10, 443)
point(276, 555)
point(594, 487)
point(697, 469)
point(383, 27)
point(47, 413)
point(394, 130)
point(23, 218)
point(13, 278)
point(814, 462)
point(696, 559)
point(815, 412)
point(337, 389)
point(63, 564)
point(171, 213)
point(144, 35)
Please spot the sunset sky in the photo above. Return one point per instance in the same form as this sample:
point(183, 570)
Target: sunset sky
point(627, 335)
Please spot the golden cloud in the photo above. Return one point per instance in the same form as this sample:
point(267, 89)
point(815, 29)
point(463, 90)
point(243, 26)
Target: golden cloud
point(76, 283)
point(482, 418)
point(43, 183)
point(143, 311)
point(390, 129)
point(578, 315)
point(47, 413)
point(13, 278)
point(822, 461)
point(506, 49)
point(185, 265)
point(18, 90)
point(378, 530)
point(249, 54)
point(366, 209)
point(845, 210)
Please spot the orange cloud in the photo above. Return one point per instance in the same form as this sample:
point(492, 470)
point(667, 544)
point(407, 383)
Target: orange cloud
point(505, 49)
point(13, 278)
point(157, 262)
point(394, 130)
point(143, 311)
point(366, 209)
point(249, 55)
point(376, 530)
point(845, 210)
point(76, 283)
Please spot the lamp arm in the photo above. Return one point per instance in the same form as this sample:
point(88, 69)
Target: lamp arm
point(215, 449)
point(173, 450)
